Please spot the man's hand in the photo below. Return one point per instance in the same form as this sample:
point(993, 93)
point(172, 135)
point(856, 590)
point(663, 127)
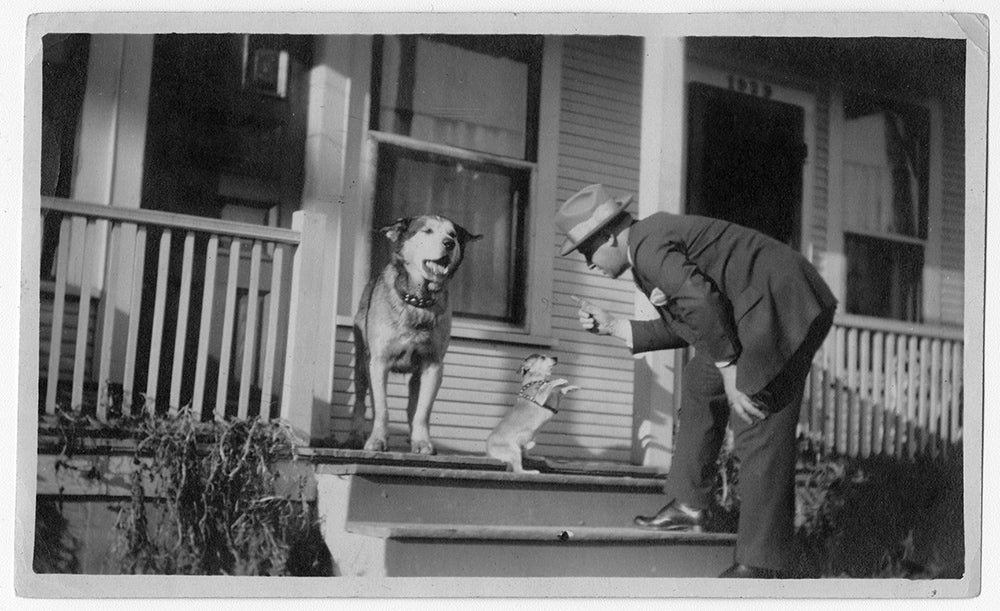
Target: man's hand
point(740, 403)
point(593, 318)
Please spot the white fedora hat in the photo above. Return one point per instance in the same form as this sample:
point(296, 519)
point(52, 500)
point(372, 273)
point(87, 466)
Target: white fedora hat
point(585, 213)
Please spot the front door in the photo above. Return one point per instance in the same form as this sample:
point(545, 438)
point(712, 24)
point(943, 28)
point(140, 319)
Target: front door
point(745, 156)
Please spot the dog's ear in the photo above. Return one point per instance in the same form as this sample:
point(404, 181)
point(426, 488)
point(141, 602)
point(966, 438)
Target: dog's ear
point(396, 229)
point(464, 236)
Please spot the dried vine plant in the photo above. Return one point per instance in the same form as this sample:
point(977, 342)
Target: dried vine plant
point(204, 502)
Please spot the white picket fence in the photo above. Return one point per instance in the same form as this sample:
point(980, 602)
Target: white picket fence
point(244, 354)
point(882, 387)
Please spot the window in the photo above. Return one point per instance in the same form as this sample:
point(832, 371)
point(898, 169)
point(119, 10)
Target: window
point(883, 277)
point(64, 82)
point(454, 124)
point(886, 161)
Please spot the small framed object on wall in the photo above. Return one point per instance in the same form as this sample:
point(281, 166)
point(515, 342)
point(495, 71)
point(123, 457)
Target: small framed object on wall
point(265, 65)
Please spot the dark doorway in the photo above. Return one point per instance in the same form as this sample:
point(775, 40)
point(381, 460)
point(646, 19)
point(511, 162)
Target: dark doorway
point(745, 156)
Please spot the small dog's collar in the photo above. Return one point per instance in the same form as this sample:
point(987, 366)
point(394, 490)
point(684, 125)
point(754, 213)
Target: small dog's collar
point(521, 393)
point(532, 400)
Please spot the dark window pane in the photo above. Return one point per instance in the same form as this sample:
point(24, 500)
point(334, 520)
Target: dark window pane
point(884, 278)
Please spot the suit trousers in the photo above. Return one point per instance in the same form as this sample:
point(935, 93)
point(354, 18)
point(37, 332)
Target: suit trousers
point(766, 450)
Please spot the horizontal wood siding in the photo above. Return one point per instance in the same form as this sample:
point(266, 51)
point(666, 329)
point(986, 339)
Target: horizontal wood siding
point(598, 142)
point(599, 136)
point(819, 212)
point(71, 314)
point(953, 218)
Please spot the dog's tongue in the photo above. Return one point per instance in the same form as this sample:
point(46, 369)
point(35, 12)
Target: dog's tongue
point(437, 267)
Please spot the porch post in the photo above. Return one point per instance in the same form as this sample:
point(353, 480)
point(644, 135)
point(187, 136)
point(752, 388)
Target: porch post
point(109, 171)
point(661, 188)
point(331, 130)
point(300, 407)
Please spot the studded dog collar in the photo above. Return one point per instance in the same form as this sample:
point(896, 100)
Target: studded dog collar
point(523, 393)
point(417, 302)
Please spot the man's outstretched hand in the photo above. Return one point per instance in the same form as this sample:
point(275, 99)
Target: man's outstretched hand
point(593, 318)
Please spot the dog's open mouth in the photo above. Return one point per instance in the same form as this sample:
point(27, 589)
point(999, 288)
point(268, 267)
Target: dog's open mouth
point(438, 268)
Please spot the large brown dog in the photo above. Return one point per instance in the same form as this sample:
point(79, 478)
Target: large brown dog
point(403, 325)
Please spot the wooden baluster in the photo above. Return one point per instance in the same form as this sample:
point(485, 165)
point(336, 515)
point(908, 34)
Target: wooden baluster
point(956, 393)
point(830, 394)
point(108, 325)
point(851, 394)
point(891, 396)
point(816, 395)
point(902, 405)
point(878, 392)
point(205, 327)
point(841, 401)
point(271, 343)
point(947, 384)
point(864, 394)
point(912, 389)
point(134, 313)
point(249, 332)
point(58, 313)
point(159, 312)
point(183, 312)
point(923, 388)
point(934, 407)
point(228, 320)
point(83, 314)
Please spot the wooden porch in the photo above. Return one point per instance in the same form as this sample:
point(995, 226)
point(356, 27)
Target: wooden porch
point(219, 316)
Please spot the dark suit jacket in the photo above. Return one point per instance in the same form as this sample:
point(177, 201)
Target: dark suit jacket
point(731, 292)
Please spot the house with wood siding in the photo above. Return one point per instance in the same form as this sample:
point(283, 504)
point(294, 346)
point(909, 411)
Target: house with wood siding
point(210, 207)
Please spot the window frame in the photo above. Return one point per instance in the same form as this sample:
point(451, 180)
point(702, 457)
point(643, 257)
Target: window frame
point(539, 231)
point(838, 228)
point(895, 240)
point(378, 139)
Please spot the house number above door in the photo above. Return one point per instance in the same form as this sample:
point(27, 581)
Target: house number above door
point(749, 86)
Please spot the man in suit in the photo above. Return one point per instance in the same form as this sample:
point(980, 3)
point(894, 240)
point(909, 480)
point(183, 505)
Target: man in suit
point(756, 312)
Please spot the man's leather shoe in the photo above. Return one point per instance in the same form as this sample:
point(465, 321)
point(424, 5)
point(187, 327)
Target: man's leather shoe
point(671, 517)
point(742, 571)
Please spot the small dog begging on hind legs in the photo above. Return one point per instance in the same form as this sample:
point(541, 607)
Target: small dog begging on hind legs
point(516, 431)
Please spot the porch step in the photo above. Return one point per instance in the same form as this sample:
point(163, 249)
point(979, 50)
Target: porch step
point(466, 516)
point(568, 534)
point(422, 550)
point(401, 494)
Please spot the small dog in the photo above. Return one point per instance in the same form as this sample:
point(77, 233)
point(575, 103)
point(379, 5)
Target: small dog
point(403, 325)
point(530, 411)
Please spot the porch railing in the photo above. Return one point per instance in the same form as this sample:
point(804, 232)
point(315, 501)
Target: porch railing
point(171, 311)
point(885, 387)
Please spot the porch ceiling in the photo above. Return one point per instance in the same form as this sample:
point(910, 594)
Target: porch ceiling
point(920, 66)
